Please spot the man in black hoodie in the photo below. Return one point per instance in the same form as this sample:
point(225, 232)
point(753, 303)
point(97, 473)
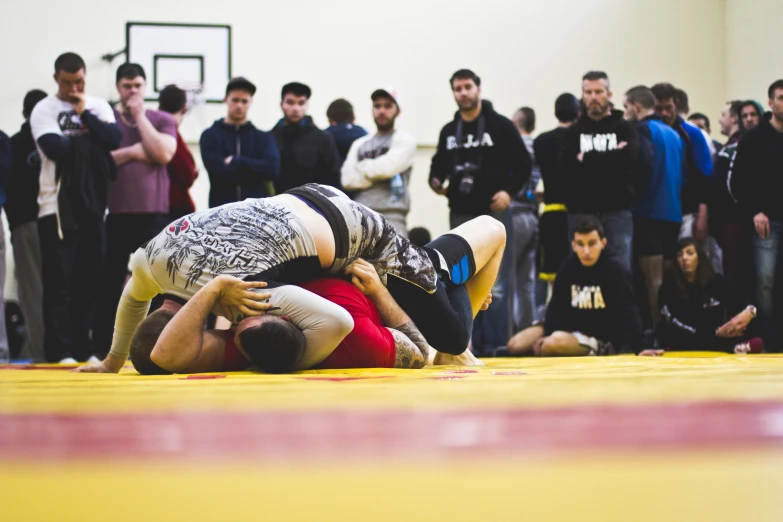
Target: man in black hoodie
point(480, 164)
point(592, 311)
point(599, 163)
point(22, 213)
point(756, 183)
point(242, 161)
point(307, 154)
point(481, 159)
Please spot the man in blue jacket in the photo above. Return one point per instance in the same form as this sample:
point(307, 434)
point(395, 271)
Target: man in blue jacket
point(657, 213)
point(242, 161)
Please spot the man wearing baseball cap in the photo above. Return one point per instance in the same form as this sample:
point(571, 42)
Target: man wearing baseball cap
point(378, 167)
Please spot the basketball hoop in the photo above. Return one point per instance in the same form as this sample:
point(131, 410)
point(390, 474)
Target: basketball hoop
point(194, 91)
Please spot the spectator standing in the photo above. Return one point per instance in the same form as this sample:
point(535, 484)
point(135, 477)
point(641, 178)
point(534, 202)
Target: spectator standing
point(756, 184)
point(697, 190)
point(307, 154)
point(657, 213)
point(71, 129)
point(479, 163)
point(22, 212)
point(554, 245)
point(6, 159)
point(342, 126)
point(182, 167)
point(599, 161)
point(139, 198)
point(702, 121)
point(750, 113)
point(727, 222)
point(522, 235)
point(378, 168)
point(241, 160)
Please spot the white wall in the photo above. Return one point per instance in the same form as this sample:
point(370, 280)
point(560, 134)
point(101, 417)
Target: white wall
point(527, 52)
point(753, 48)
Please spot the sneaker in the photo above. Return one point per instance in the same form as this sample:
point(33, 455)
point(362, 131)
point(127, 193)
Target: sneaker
point(93, 360)
point(69, 360)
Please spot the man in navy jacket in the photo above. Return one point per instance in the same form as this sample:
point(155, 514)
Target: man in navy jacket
point(242, 161)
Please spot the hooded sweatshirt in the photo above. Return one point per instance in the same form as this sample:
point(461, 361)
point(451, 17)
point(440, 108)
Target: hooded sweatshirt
point(307, 155)
point(254, 162)
point(500, 156)
point(605, 179)
point(597, 301)
point(756, 181)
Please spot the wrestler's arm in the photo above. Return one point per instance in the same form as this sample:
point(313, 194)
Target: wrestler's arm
point(412, 348)
point(184, 346)
point(131, 310)
point(323, 323)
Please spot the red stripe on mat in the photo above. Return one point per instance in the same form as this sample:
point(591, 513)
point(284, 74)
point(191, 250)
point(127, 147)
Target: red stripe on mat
point(308, 435)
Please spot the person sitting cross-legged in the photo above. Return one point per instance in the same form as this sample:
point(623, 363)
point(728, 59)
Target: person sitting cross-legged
point(592, 311)
point(701, 311)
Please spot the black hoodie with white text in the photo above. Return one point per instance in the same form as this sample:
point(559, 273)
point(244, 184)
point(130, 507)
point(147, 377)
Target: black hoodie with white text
point(605, 179)
point(500, 154)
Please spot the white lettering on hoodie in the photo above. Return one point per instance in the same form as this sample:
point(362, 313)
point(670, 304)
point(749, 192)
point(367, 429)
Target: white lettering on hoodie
point(471, 142)
point(597, 142)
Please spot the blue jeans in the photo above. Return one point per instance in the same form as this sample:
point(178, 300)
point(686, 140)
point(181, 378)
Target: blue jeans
point(766, 256)
point(618, 227)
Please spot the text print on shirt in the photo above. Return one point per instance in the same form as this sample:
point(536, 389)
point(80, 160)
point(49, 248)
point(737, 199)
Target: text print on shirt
point(597, 142)
point(587, 298)
point(70, 123)
point(470, 142)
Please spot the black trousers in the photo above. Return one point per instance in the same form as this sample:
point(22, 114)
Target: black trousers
point(70, 267)
point(124, 234)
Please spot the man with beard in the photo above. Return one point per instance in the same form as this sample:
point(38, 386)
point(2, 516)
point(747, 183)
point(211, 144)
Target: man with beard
point(480, 163)
point(599, 162)
point(378, 167)
point(481, 159)
point(750, 113)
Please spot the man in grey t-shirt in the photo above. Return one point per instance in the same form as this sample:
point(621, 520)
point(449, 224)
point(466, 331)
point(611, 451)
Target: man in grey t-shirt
point(378, 166)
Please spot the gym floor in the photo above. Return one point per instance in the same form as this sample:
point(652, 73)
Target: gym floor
point(607, 439)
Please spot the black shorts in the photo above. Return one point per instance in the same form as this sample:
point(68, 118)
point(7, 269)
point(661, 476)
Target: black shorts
point(554, 245)
point(445, 318)
point(655, 237)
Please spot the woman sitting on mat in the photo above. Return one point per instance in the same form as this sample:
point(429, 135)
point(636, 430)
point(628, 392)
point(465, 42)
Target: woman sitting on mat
point(700, 311)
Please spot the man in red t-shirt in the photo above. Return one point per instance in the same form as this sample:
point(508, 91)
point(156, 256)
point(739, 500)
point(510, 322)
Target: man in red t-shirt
point(182, 167)
point(184, 347)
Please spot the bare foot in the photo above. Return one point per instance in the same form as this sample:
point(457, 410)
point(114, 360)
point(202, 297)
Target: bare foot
point(465, 359)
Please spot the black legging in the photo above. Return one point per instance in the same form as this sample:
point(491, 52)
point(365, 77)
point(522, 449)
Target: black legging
point(445, 318)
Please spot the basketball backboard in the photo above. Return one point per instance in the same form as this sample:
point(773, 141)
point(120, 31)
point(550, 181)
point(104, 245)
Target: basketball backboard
point(183, 54)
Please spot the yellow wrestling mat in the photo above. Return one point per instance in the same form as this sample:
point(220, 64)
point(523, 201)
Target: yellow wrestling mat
point(695, 438)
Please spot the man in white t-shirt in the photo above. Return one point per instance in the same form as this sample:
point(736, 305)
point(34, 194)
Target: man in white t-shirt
point(378, 167)
point(70, 257)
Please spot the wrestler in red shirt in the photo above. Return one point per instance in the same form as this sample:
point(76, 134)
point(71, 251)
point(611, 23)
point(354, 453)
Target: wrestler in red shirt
point(184, 347)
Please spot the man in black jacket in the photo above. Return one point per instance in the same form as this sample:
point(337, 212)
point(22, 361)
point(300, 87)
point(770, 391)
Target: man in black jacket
point(592, 310)
point(554, 245)
point(242, 161)
point(756, 183)
point(22, 212)
point(599, 162)
point(481, 159)
point(480, 164)
point(307, 154)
